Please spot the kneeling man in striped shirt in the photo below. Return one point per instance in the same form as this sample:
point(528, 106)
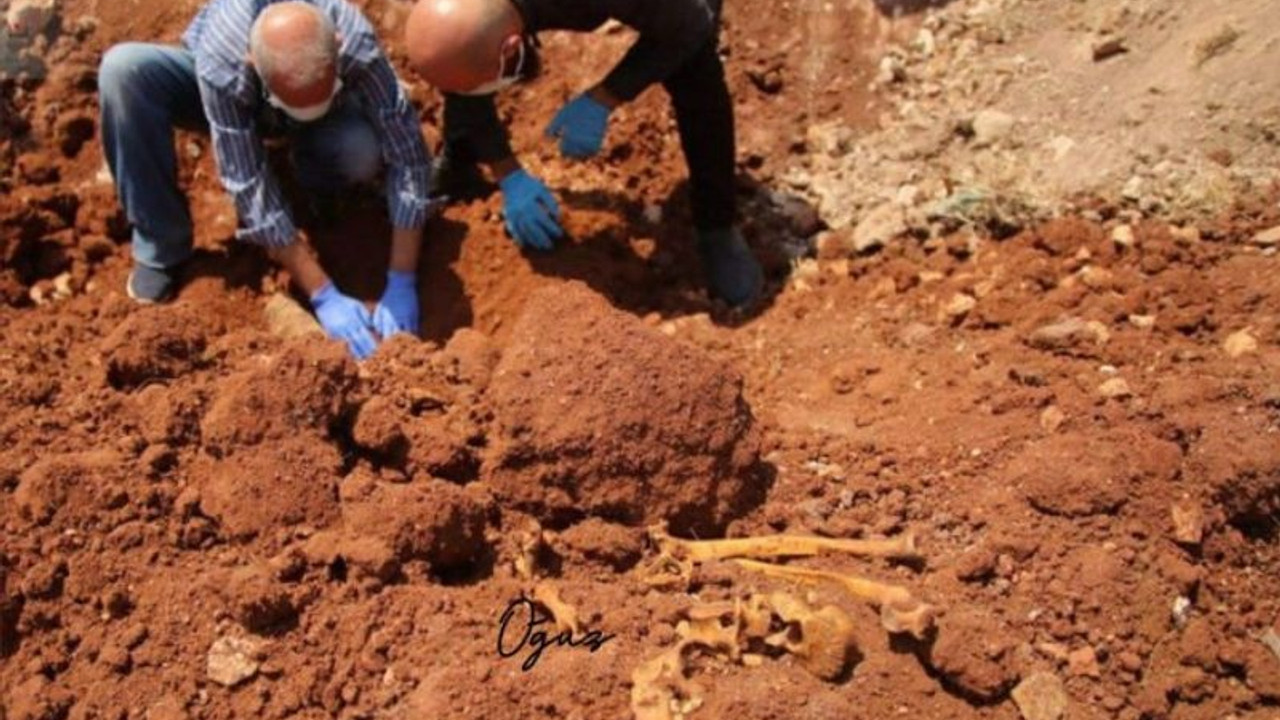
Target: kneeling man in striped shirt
point(309, 71)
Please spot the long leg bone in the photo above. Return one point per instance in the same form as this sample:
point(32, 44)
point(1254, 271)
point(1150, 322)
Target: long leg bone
point(900, 611)
point(902, 547)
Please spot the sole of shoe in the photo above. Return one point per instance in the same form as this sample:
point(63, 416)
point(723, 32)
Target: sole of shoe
point(134, 296)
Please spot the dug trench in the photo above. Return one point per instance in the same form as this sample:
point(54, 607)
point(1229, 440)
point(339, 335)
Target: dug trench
point(204, 518)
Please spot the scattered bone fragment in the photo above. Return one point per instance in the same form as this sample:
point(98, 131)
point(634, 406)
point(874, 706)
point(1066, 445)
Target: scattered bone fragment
point(563, 613)
point(659, 689)
point(287, 319)
point(900, 611)
point(1188, 522)
point(822, 639)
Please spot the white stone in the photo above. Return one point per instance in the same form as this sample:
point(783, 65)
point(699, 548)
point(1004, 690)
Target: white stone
point(1122, 235)
point(991, 126)
point(1238, 343)
point(1268, 238)
point(231, 661)
point(1115, 389)
point(1041, 696)
point(960, 305)
point(878, 227)
point(28, 17)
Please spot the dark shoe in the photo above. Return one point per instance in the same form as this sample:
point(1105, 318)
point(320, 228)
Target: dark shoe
point(732, 272)
point(456, 179)
point(148, 285)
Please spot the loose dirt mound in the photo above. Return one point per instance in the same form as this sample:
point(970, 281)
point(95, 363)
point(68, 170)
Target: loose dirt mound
point(599, 415)
point(1077, 419)
point(302, 391)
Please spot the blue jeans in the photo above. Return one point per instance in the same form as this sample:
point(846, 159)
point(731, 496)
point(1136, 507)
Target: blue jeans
point(145, 91)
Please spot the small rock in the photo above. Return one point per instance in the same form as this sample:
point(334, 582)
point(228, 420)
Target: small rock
point(1122, 236)
point(231, 661)
point(653, 214)
point(1132, 189)
point(959, 305)
point(1188, 522)
point(833, 244)
point(28, 17)
point(1272, 640)
point(926, 43)
point(1083, 663)
point(1181, 611)
point(1185, 235)
point(117, 658)
point(1068, 334)
point(801, 216)
point(1097, 278)
point(62, 286)
point(1115, 389)
point(1142, 322)
point(1041, 697)
point(878, 227)
point(832, 139)
point(1268, 238)
point(1108, 47)
point(891, 70)
point(1052, 418)
point(1238, 343)
point(991, 126)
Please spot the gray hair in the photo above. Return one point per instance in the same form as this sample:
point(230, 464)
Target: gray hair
point(304, 63)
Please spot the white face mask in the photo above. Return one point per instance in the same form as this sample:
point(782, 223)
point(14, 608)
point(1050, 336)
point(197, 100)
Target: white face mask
point(306, 114)
point(502, 82)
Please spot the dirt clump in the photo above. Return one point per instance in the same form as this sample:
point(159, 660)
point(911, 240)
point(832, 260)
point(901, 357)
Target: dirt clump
point(597, 414)
point(423, 414)
point(601, 543)
point(1242, 474)
point(70, 488)
point(10, 611)
point(974, 656)
point(154, 345)
point(305, 389)
point(429, 521)
point(1059, 479)
point(268, 488)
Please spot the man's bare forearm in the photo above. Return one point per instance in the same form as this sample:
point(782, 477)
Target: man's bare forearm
point(406, 246)
point(302, 266)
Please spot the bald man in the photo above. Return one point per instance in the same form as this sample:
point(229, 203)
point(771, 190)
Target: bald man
point(471, 49)
point(309, 73)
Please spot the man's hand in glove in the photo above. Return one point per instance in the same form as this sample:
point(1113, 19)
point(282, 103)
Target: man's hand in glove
point(397, 311)
point(344, 318)
point(580, 125)
point(533, 216)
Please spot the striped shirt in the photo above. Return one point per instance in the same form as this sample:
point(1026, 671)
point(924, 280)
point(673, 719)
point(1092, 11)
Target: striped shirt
point(233, 97)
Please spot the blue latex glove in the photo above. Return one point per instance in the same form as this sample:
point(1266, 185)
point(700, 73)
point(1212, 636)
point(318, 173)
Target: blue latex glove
point(580, 125)
point(397, 311)
point(533, 216)
point(345, 319)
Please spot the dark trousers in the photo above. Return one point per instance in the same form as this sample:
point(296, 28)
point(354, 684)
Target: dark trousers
point(704, 115)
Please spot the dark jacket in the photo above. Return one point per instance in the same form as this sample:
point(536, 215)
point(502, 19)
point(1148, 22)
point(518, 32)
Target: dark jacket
point(671, 31)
